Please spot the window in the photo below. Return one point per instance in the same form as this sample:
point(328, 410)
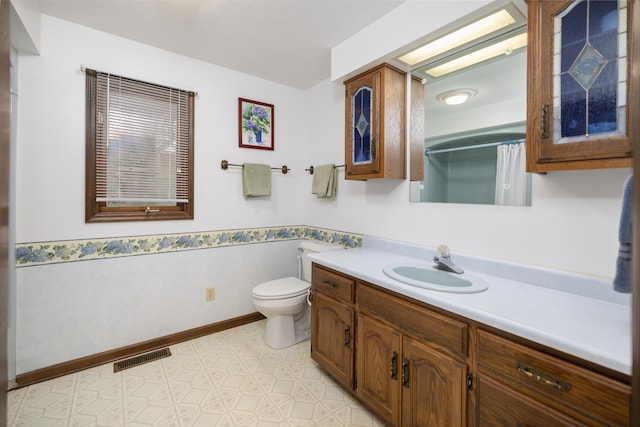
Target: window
point(139, 148)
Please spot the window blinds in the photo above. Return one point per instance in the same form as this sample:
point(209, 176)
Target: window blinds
point(142, 143)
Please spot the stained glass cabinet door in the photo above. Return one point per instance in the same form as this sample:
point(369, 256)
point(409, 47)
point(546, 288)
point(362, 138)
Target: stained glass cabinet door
point(579, 84)
point(363, 125)
point(375, 105)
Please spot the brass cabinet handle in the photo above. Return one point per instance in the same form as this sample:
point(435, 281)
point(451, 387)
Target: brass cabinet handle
point(543, 377)
point(394, 366)
point(544, 121)
point(405, 373)
point(373, 148)
point(331, 285)
point(347, 336)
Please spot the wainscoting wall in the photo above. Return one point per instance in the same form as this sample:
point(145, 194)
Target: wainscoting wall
point(80, 298)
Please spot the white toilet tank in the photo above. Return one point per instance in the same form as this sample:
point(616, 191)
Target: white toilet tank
point(308, 247)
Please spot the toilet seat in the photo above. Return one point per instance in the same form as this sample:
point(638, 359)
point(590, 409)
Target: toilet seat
point(287, 287)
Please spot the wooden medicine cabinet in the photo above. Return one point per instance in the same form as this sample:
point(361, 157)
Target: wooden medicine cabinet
point(375, 117)
point(580, 59)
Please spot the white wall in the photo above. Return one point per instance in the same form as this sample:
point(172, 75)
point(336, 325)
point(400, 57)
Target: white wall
point(51, 133)
point(25, 26)
point(67, 311)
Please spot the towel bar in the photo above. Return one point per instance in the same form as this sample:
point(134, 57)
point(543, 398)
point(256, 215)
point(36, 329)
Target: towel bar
point(225, 165)
point(311, 169)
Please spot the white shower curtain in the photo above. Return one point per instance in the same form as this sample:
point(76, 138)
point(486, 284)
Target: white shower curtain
point(513, 183)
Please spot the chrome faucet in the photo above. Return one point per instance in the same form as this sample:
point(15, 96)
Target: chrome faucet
point(443, 262)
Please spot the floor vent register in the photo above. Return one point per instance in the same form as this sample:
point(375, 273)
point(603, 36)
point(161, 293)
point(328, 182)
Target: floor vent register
point(132, 362)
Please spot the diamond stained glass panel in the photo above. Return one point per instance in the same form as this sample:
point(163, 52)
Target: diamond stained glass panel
point(362, 125)
point(587, 66)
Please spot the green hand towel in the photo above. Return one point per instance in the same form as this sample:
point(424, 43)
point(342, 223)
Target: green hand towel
point(325, 181)
point(256, 180)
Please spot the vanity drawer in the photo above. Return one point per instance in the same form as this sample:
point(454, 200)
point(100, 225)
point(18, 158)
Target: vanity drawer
point(333, 283)
point(501, 406)
point(553, 381)
point(416, 320)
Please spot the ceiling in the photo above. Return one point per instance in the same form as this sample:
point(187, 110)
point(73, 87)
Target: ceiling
point(284, 41)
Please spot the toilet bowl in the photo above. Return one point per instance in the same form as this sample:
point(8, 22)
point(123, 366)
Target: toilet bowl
point(284, 301)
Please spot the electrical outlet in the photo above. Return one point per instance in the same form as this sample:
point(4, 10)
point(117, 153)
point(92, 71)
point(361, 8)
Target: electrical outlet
point(210, 294)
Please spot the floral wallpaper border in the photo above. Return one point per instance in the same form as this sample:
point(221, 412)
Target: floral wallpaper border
point(32, 254)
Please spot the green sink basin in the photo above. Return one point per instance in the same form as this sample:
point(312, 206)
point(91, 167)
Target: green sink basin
point(423, 275)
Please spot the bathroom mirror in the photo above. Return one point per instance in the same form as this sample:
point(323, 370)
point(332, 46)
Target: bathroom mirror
point(472, 149)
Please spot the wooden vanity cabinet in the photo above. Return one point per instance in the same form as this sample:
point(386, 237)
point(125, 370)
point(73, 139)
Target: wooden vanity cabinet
point(411, 363)
point(375, 117)
point(416, 365)
point(578, 108)
point(333, 324)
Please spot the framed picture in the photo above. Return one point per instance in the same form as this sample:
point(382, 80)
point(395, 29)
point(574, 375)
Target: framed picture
point(255, 124)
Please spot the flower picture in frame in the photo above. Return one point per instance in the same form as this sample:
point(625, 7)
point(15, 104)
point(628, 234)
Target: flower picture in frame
point(255, 124)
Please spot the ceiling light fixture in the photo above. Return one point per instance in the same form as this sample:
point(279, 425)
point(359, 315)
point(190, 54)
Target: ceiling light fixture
point(504, 47)
point(466, 34)
point(456, 97)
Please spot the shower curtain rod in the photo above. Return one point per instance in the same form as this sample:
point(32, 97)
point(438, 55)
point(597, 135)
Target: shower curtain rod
point(471, 147)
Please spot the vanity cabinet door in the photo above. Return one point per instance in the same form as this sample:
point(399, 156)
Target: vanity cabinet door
point(375, 135)
point(332, 336)
point(580, 85)
point(434, 392)
point(378, 367)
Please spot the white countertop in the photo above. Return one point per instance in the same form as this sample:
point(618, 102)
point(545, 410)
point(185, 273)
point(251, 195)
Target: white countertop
point(592, 325)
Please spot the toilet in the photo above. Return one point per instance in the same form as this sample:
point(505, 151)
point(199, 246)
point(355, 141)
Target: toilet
point(284, 301)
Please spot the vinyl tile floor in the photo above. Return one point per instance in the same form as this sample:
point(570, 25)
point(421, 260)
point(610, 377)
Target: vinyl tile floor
point(230, 378)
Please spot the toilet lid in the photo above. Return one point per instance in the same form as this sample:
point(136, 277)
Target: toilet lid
point(287, 287)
